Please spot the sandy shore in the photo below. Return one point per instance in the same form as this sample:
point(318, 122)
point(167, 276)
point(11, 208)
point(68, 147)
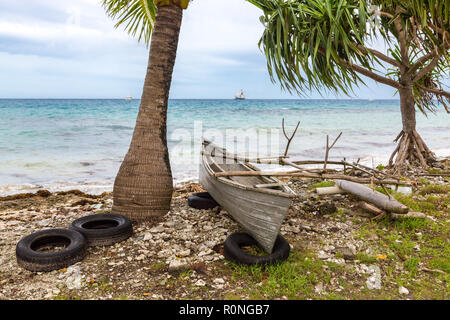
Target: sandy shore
point(338, 252)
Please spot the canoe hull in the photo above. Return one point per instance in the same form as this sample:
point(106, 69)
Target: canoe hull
point(260, 214)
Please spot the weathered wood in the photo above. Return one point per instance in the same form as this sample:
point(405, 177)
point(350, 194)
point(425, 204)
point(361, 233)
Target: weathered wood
point(268, 185)
point(300, 174)
point(370, 208)
point(304, 162)
point(289, 139)
point(260, 211)
point(261, 160)
point(328, 150)
point(372, 196)
point(418, 215)
point(329, 190)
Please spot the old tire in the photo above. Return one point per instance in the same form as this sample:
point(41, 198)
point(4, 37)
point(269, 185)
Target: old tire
point(103, 229)
point(202, 200)
point(29, 257)
point(233, 250)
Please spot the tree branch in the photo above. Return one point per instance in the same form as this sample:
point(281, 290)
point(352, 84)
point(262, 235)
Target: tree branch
point(366, 72)
point(402, 39)
point(385, 14)
point(372, 75)
point(427, 69)
point(380, 55)
point(422, 60)
point(439, 30)
point(436, 91)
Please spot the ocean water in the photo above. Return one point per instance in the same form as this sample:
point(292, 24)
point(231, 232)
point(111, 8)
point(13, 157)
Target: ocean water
point(66, 144)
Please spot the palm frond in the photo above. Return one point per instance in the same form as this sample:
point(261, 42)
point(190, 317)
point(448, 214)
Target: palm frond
point(308, 42)
point(136, 16)
point(316, 44)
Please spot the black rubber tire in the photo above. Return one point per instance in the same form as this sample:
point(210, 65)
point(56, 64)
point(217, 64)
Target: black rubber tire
point(29, 258)
point(103, 229)
point(202, 201)
point(232, 250)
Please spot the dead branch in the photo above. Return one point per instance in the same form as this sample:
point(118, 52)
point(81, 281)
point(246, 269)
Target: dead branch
point(371, 208)
point(329, 190)
point(289, 139)
point(328, 150)
point(300, 174)
point(431, 270)
point(417, 215)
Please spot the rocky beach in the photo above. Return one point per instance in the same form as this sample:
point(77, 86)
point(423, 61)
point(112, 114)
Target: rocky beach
point(338, 251)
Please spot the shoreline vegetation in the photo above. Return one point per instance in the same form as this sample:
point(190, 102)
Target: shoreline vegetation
point(339, 251)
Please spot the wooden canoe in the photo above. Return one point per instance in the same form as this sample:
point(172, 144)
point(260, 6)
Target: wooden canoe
point(259, 204)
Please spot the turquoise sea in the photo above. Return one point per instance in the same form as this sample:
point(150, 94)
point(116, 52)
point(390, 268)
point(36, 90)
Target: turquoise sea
point(65, 144)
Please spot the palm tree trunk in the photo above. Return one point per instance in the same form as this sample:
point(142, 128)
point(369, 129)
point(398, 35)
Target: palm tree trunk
point(143, 187)
point(411, 149)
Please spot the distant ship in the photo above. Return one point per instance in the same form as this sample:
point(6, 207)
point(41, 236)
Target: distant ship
point(240, 95)
point(129, 98)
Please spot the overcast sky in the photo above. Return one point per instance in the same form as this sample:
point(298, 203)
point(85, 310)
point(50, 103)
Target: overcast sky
point(70, 49)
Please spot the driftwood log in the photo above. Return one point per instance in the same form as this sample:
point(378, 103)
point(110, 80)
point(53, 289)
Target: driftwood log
point(329, 190)
point(418, 215)
point(300, 174)
point(377, 198)
point(371, 208)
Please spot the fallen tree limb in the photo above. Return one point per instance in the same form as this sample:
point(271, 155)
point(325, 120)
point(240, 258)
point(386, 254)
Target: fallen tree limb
point(329, 190)
point(380, 216)
point(300, 174)
point(374, 197)
point(370, 208)
point(418, 215)
point(317, 162)
point(432, 270)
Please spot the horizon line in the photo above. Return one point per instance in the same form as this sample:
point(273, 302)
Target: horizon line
point(231, 99)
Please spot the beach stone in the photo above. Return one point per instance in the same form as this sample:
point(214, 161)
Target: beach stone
point(185, 253)
point(374, 281)
point(219, 281)
point(157, 229)
point(319, 288)
point(148, 236)
point(140, 257)
point(403, 291)
point(348, 252)
point(200, 283)
point(44, 223)
point(322, 255)
point(176, 265)
point(73, 281)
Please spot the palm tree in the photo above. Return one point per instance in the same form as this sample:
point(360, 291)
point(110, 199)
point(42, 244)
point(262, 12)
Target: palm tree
point(143, 187)
point(325, 44)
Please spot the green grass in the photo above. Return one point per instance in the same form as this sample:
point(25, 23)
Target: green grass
point(441, 263)
point(323, 184)
point(294, 278)
point(158, 266)
point(435, 188)
point(434, 171)
point(415, 205)
point(386, 191)
point(412, 265)
point(410, 224)
point(103, 284)
point(365, 259)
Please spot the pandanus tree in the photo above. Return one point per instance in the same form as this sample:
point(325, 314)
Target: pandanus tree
point(143, 186)
point(328, 44)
